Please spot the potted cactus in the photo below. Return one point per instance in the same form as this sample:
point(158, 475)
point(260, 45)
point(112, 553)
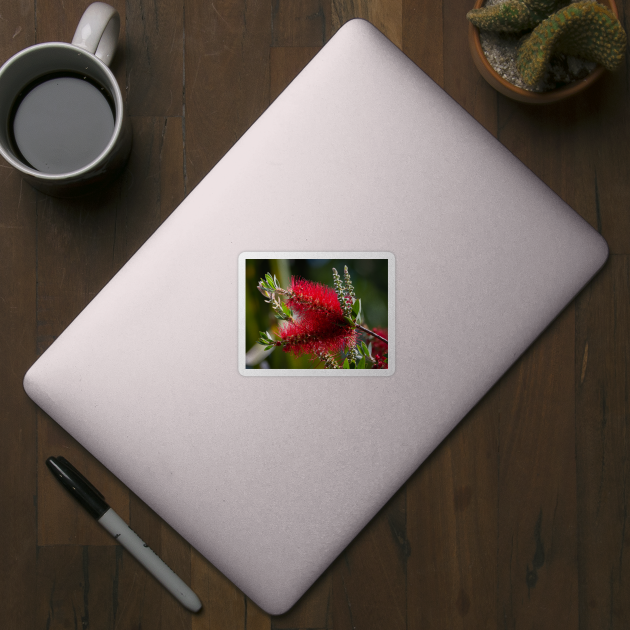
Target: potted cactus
point(558, 49)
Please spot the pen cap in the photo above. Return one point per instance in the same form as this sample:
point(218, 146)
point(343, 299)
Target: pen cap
point(78, 486)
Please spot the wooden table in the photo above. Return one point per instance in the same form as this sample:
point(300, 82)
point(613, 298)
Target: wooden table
point(518, 520)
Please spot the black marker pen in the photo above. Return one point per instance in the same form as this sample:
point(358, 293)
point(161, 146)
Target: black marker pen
point(94, 502)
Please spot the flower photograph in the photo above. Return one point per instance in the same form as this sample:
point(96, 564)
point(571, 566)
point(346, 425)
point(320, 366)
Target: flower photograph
point(316, 313)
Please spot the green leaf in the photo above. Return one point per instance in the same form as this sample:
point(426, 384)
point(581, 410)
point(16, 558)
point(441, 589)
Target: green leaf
point(356, 307)
point(364, 349)
point(286, 310)
point(346, 364)
point(361, 365)
point(269, 279)
point(349, 320)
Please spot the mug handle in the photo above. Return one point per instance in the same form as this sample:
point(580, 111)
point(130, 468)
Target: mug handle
point(98, 30)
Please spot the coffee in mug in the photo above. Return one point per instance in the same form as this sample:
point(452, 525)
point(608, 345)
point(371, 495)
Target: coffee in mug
point(65, 128)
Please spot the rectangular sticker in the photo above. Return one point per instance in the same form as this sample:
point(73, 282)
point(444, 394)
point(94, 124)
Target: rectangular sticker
point(316, 314)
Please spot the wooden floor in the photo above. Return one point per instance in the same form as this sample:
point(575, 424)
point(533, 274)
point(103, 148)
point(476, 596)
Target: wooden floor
point(518, 520)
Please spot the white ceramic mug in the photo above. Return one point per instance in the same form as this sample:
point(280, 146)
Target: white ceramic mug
point(87, 58)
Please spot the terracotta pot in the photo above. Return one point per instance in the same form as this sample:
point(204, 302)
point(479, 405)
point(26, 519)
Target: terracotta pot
point(518, 94)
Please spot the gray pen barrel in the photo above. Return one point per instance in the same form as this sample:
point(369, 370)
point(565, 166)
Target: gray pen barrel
point(149, 559)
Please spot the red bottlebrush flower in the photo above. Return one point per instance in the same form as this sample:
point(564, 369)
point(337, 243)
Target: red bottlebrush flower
point(306, 338)
point(380, 362)
point(319, 324)
point(313, 297)
point(378, 346)
point(379, 350)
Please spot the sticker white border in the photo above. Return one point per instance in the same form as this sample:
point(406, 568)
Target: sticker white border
point(391, 314)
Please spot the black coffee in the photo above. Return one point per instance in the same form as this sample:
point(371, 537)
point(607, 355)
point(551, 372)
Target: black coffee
point(61, 123)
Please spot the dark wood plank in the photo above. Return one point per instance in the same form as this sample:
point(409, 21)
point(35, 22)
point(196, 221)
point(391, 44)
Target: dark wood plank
point(18, 422)
point(608, 136)
point(17, 28)
point(76, 587)
point(226, 78)
point(300, 23)
point(18, 416)
point(603, 442)
point(154, 57)
point(461, 78)
point(452, 527)
point(369, 577)
point(422, 36)
point(386, 15)
point(57, 23)
point(285, 64)
point(224, 606)
point(313, 609)
point(558, 147)
point(537, 537)
point(255, 618)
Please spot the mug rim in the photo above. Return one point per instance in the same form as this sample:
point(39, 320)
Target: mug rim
point(118, 122)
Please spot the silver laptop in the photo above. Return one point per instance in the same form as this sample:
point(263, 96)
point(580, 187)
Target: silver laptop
point(362, 159)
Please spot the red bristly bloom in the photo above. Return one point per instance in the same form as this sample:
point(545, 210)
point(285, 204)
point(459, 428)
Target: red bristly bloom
point(313, 297)
point(319, 324)
point(379, 350)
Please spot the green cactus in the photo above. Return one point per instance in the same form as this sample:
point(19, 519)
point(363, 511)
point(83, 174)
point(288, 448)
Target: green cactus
point(513, 16)
point(584, 29)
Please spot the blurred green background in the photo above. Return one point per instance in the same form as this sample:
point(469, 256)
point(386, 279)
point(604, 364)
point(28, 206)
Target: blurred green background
point(369, 277)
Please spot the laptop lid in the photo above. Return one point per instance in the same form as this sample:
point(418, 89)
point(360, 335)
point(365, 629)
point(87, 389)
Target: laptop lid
point(362, 158)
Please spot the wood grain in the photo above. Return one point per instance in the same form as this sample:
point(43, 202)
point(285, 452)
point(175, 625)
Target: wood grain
point(452, 515)
point(76, 587)
point(386, 15)
point(313, 609)
point(224, 606)
point(422, 36)
point(537, 510)
point(369, 577)
point(18, 416)
point(285, 64)
point(154, 57)
point(300, 22)
point(461, 79)
point(226, 78)
point(602, 380)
